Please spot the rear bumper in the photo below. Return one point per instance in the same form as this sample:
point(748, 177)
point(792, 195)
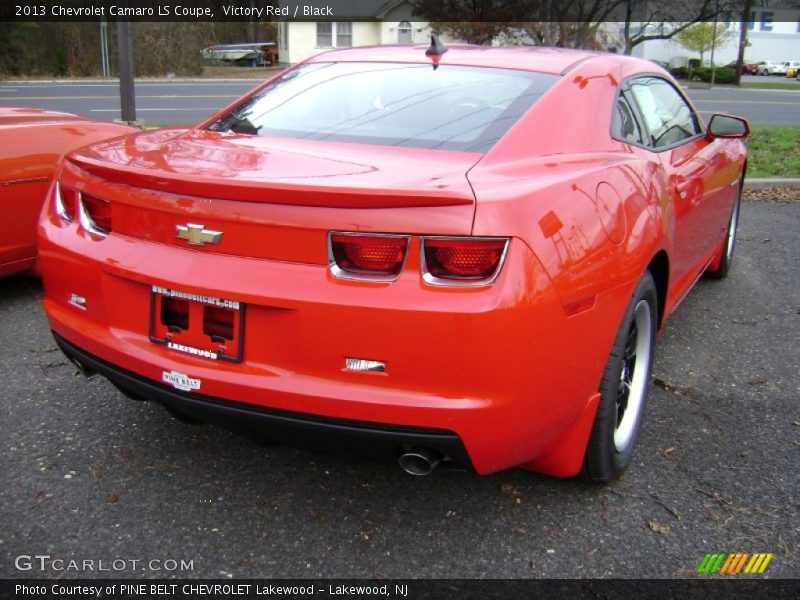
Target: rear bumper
point(500, 374)
point(339, 436)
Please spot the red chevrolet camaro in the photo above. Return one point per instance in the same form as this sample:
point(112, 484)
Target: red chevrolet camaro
point(458, 258)
point(32, 143)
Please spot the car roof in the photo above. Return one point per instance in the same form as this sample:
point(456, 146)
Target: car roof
point(527, 58)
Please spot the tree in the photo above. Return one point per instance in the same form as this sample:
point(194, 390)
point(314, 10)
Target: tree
point(700, 37)
point(645, 20)
point(474, 21)
point(568, 23)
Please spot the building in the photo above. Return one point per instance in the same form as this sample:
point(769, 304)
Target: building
point(772, 34)
point(357, 24)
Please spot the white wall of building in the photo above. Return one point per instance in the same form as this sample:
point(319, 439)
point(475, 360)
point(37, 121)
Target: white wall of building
point(773, 34)
point(297, 40)
point(366, 34)
point(420, 32)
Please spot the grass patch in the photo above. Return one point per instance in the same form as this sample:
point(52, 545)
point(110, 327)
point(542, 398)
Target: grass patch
point(774, 151)
point(770, 85)
point(258, 73)
point(745, 85)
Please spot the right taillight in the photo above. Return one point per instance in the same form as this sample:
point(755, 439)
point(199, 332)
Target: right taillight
point(462, 260)
point(367, 256)
point(95, 214)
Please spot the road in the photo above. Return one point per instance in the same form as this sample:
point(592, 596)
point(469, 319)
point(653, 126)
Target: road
point(88, 474)
point(760, 107)
point(173, 103)
point(189, 102)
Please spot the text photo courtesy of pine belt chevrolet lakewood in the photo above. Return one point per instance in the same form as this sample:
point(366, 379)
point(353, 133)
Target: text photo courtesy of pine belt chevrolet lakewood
point(454, 258)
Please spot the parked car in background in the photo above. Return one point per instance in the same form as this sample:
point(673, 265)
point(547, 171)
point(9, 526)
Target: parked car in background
point(454, 257)
point(747, 68)
point(768, 67)
point(32, 143)
point(792, 68)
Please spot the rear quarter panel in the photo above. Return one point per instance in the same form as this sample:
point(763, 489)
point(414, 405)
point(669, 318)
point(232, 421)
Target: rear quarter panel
point(29, 156)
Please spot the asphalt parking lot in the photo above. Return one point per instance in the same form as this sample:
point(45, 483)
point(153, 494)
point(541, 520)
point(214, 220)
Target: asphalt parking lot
point(88, 474)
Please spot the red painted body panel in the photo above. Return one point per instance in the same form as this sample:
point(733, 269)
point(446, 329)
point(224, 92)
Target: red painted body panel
point(32, 143)
point(512, 368)
point(282, 171)
point(525, 58)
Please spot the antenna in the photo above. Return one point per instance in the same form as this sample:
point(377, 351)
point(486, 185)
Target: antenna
point(435, 51)
point(437, 48)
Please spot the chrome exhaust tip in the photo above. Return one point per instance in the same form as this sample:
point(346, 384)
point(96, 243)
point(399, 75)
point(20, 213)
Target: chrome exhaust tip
point(420, 461)
point(82, 369)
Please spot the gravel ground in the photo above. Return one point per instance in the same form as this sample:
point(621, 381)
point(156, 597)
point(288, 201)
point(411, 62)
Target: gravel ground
point(780, 195)
point(88, 474)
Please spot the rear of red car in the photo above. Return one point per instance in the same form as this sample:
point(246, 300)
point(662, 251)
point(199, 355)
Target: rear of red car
point(317, 284)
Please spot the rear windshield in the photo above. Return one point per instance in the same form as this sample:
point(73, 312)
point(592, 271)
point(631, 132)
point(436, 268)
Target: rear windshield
point(389, 104)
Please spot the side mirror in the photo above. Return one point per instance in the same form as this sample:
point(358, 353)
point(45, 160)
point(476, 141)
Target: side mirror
point(728, 126)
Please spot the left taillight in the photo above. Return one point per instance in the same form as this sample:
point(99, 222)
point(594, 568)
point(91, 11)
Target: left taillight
point(65, 199)
point(367, 256)
point(95, 214)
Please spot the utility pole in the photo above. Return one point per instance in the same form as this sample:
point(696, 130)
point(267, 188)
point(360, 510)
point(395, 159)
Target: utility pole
point(251, 24)
point(714, 42)
point(104, 65)
point(127, 95)
point(742, 41)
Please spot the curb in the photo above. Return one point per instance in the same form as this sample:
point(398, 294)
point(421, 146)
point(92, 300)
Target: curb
point(757, 183)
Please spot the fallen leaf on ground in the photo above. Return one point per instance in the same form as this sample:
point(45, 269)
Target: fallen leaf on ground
point(658, 527)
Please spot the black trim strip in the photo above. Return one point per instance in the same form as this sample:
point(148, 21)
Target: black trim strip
point(624, 86)
point(333, 435)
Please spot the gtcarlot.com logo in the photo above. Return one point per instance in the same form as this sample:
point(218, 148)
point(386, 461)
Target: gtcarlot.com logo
point(738, 563)
point(47, 562)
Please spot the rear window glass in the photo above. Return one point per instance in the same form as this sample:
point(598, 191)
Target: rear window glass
point(413, 105)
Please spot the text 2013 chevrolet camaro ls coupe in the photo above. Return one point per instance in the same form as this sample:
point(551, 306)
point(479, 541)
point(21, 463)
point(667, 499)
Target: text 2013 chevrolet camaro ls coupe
point(457, 258)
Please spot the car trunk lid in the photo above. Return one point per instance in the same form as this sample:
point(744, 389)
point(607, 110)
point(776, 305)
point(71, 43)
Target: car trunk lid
point(271, 198)
point(282, 170)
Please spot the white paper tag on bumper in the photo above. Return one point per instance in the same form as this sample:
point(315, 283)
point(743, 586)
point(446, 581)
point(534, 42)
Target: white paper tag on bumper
point(180, 381)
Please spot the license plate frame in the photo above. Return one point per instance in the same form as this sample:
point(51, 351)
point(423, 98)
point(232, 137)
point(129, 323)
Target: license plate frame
point(194, 339)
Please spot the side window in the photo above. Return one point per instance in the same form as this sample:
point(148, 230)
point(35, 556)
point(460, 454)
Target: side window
point(624, 125)
point(668, 119)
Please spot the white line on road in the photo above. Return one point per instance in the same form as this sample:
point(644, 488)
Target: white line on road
point(138, 97)
point(709, 101)
point(151, 109)
point(116, 85)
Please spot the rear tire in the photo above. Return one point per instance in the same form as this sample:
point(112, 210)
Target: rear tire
point(623, 389)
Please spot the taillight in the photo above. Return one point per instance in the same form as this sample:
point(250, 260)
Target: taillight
point(462, 261)
point(95, 214)
point(367, 256)
point(65, 202)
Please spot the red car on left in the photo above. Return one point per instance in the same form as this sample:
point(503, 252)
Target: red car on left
point(32, 143)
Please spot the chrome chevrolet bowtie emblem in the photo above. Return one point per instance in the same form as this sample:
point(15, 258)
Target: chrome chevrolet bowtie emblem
point(197, 234)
